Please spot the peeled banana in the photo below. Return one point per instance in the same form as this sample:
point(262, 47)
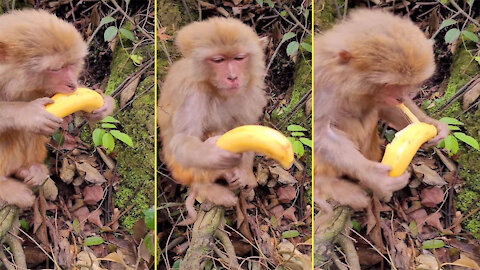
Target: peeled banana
point(400, 152)
point(260, 139)
point(83, 99)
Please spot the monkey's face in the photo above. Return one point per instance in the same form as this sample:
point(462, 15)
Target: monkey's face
point(62, 79)
point(228, 72)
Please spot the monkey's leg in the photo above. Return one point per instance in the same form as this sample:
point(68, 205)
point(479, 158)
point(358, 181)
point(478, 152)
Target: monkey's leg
point(16, 193)
point(215, 193)
point(242, 176)
point(34, 175)
point(341, 191)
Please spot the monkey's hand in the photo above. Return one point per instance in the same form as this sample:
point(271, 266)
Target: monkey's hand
point(241, 178)
point(376, 178)
point(16, 193)
point(36, 119)
point(35, 175)
point(218, 159)
point(442, 132)
point(104, 111)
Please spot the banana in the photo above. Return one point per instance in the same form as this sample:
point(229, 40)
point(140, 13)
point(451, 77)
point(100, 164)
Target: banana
point(260, 139)
point(400, 152)
point(83, 99)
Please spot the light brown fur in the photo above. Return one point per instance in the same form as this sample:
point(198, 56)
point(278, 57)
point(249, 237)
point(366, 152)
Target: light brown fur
point(193, 108)
point(361, 63)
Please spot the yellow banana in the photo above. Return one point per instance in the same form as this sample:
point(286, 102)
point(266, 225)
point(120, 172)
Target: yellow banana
point(260, 139)
point(83, 99)
point(400, 152)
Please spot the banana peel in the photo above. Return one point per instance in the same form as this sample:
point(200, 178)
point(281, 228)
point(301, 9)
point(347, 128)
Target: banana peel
point(83, 99)
point(400, 152)
point(260, 139)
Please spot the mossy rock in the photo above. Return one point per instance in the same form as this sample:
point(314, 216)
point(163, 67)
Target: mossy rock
point(324, 14)
point(463, 69)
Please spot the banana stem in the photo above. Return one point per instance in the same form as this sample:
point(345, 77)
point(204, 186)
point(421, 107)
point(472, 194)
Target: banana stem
point(409, 114)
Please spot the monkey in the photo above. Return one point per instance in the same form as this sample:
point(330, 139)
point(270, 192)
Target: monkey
point(40, 55)
point(364, 67)
point(217, 85)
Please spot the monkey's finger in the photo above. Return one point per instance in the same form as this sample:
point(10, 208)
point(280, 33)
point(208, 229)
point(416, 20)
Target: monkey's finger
point(44, 101)
point(54, 118)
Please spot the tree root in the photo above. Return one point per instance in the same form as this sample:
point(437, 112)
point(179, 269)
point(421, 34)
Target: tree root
point(331, 229)
point(9, 235)
point(206, 229)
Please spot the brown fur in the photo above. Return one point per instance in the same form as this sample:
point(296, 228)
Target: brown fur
point(355, 62)
point(31, 42)
point(191, 108)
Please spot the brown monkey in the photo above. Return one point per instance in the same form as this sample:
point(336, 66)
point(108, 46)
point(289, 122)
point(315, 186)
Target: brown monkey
point(216, 86)
point(40, 55)
point(365, 66)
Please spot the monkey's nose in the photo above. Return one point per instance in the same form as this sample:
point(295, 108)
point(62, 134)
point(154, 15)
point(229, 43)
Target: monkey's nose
point(72, 85)
point(232, 77)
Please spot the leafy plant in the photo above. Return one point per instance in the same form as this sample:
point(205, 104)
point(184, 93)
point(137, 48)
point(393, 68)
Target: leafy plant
point(298, 140)
point(106, 135)
point(450, 143)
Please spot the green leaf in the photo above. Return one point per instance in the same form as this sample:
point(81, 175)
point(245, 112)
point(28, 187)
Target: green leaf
point(290, 234)
point(270, 3)
point(122, 137)
point(106, 20)
point(389, 135)
point(150, 218)
point(109, 119)
point(283, 13)
point(355, 225)
point(470, 2)
point(127, 33)
point(431, 244)
point(76, 226)
point(446, 23)
point(291, 139)
point(451, 121)
point(97, 136)
point(208, 265)
point(296, 128)
point(148, 242)
point(441, 144)
point(110, 33)
point(477, 58)
point(137, 59)
point(469, 35)
point(444, 1)
point(298, 148)
point(108, 143)
point(292, 48)
point(467, 139)
point(24, 224)
point(273, 221)
point(454, 146)
point(58, 138)
point(449, 141)
point(260, 2)
point(452, 35)
point(298, 134)
point(306, 142)
point(413, 228)
point(108, 125)
point(288, 36)
point(94, 241)
point(453, 128)
point(307, 47)
point(176, 264)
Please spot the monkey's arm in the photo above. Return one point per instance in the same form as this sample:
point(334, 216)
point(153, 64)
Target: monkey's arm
point(30, 116)
point(398, 120)
point(186, 145)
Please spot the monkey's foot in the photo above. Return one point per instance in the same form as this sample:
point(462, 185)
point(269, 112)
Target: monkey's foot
point(16, 193)
point(35, 175)
point(216, 194)
point(241, 178)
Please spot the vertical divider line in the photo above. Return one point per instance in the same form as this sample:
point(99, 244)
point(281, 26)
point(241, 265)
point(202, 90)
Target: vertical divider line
point(155, 135)
point(313, 132)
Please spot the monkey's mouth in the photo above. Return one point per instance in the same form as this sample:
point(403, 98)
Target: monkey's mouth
point(393, 101)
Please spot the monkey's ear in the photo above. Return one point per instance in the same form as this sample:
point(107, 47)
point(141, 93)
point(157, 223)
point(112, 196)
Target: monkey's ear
point(264, 41)
point(345, 56)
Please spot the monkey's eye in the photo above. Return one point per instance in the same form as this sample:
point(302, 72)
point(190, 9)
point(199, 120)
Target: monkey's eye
point(55, 69)
point(240, 57)
point(218, 60)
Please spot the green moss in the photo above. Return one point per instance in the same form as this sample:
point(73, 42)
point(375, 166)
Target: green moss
point(324, 14)
point(463, 69)
point(136, 165)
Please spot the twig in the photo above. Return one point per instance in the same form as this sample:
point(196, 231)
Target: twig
point(455, 5)
point(295, 19)
point(147, 35)
point(92, 36)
